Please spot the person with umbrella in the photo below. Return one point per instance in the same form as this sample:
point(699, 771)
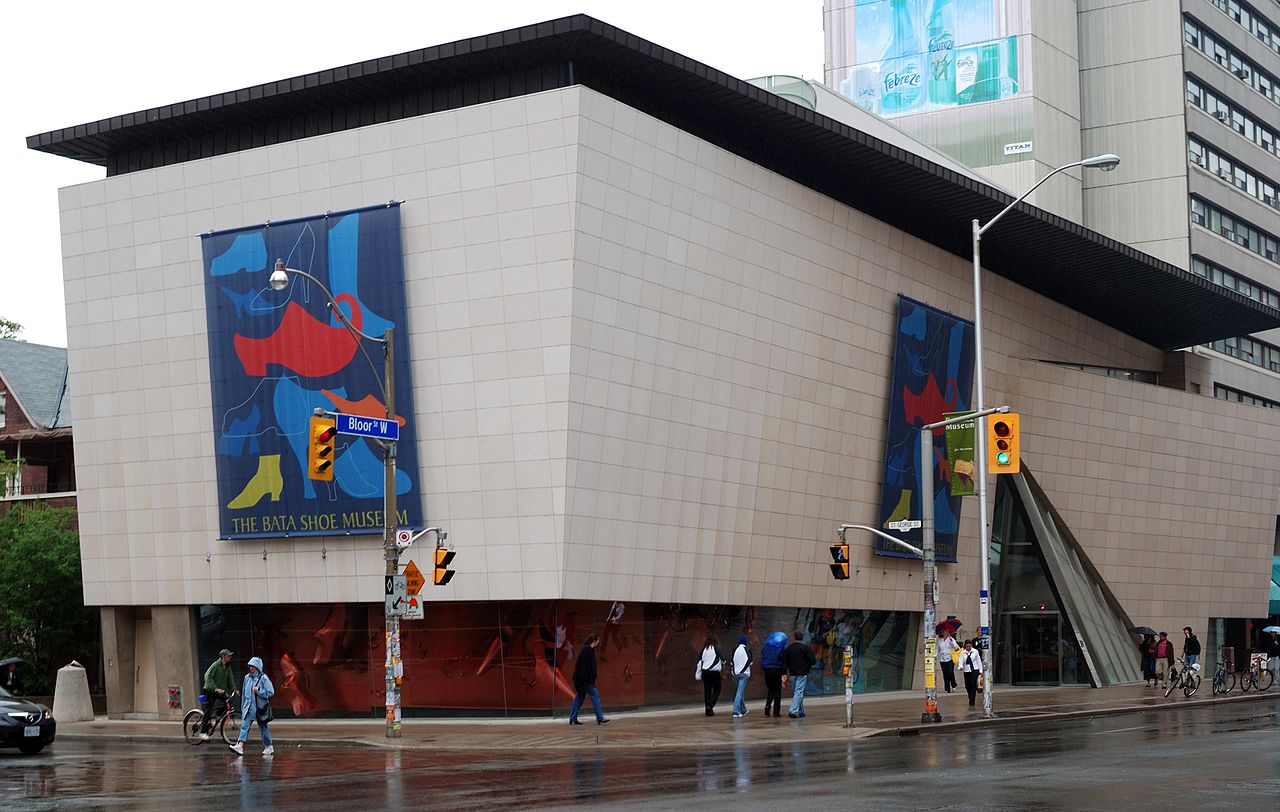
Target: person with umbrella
point(1147, 652)
point(10, 674)
point(1271, 646)
point(947, 646)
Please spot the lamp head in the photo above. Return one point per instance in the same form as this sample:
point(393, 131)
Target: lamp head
point(279, 279)
point(1105, 162)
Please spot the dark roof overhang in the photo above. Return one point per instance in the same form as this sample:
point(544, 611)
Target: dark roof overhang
point(1154, 301)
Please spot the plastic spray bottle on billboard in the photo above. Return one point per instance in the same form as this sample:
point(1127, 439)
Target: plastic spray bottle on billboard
point(903, 65)
point(866, 87)
point(987, 72)
point(942, 50)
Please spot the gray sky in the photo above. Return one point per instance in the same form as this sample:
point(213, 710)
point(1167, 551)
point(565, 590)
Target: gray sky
point(75, 61)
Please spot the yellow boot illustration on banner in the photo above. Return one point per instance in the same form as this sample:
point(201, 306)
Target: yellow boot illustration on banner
point(266, 481)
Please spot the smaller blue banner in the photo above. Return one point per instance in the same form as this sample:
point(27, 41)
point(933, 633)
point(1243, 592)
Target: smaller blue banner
point(379, 427)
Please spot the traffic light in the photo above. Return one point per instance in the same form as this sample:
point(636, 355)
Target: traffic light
point(443, 574)
point(1002, 444)
point(320, 448)
point(840, 555)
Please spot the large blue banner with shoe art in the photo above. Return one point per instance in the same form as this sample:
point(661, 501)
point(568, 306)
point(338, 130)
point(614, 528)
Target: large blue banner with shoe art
point(932, 375)
point(277, 356)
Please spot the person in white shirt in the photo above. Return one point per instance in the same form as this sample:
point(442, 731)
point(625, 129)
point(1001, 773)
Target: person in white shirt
point(712, 662)
point(741, 672)
point(946, 645)
point(971, 665)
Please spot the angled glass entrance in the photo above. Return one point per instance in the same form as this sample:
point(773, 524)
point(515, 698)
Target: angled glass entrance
point(1057, 623)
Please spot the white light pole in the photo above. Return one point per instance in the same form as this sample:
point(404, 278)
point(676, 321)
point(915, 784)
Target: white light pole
point(1106, 163)
point(394, 675)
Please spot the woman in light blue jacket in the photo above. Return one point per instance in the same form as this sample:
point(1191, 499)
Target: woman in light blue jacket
point(255, 705)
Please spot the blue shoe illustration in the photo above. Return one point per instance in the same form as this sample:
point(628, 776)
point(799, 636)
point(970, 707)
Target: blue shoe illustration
point(344, 246)
point(248, 252)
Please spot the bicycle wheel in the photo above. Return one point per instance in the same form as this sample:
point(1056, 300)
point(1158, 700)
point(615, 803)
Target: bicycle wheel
point(228, 729)
point(191, 725)
point(1228, 683)
point(1174, 682)
point(1190, 685)
point(1246, 681)
point(1263, 681)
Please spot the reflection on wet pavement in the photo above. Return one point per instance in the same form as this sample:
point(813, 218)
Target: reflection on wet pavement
point(1221, 757)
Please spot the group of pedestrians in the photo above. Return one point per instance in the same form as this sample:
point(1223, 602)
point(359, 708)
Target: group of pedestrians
point(783, 663)
point(952, 653)
point(255, 699)
point(1159, 653)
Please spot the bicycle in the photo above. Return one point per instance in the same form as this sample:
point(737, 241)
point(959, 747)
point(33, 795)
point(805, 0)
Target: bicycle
point(1224, 681)
point(228, 710)
point(1186, 678)
point(1256, 677)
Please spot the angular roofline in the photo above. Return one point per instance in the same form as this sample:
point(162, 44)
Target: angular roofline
point(1152, 300)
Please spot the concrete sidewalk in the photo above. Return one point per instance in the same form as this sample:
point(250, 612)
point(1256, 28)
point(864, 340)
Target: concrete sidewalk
point(888, 714)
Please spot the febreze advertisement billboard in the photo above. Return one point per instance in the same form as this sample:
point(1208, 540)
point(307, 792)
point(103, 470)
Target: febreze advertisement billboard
point(277, 356)
point(913, 56)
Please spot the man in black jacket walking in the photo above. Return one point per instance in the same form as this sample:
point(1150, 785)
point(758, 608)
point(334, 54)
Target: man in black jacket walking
point(1190, 647)
point(798, 660)
point(584, 681)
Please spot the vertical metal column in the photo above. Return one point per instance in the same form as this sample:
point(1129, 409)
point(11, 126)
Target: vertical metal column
point(394, 664)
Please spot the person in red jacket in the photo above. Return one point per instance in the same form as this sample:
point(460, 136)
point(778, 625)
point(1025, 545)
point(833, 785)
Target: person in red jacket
point(1164, 658)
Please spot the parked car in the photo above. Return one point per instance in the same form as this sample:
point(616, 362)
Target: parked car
point(25, 725)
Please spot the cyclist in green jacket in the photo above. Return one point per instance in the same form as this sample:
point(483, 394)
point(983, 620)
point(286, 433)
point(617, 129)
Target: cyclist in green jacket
point(219, 684)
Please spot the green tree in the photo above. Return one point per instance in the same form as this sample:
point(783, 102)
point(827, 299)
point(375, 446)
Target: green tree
point(9, 329)
point(8, 470)
point(43, 618)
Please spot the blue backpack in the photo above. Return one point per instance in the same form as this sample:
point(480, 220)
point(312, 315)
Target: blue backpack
point(771, 652)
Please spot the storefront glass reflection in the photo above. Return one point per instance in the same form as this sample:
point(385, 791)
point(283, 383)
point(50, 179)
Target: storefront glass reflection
point(518, 656)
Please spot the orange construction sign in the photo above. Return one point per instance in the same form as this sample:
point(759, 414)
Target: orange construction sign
point(413, 578)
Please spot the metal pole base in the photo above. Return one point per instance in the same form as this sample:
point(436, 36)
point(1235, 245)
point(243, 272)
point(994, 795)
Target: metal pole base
point(930, 718)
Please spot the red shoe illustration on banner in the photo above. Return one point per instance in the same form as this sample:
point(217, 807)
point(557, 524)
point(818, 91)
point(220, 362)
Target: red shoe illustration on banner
point(301, 344)
point(296, 681)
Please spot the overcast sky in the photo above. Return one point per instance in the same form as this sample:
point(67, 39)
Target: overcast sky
point(73, 62)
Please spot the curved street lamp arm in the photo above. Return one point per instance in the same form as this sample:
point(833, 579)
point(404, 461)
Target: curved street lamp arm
point(992, 221)
point(342, 319)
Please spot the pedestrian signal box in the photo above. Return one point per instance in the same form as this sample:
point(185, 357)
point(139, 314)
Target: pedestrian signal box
point(320, 449)
point(840, 557)
point(443, 574)
point(1002, 444)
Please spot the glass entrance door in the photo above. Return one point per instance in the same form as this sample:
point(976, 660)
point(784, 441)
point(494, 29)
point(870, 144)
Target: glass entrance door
point(1034, 650)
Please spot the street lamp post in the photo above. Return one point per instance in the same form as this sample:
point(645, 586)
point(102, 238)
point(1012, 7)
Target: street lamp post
point(394, 667)
point(1106, 163)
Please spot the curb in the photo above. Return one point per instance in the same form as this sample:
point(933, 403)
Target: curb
point(998, 721)
point(287, 742)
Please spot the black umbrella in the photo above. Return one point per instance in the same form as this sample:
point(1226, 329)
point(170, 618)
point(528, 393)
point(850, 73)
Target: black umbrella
point(1143, 630)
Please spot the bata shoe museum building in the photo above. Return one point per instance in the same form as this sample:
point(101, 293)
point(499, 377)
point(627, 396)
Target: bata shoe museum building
point(657, 333)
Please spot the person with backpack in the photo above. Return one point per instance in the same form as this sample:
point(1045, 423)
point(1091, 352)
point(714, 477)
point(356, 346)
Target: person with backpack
point(771, 662)
point(710, 664)
point(742, 673)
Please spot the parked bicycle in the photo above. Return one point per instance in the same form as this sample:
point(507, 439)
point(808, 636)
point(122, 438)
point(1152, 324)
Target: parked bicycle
point(1257, 676)
point(1185, 678)
point(1224, 681)
point(226, 713)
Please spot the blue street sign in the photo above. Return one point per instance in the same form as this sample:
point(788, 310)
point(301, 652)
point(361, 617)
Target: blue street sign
point(379, 427)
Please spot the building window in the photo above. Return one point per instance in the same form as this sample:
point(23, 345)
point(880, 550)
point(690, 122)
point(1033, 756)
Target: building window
point(1226, 114)
point(1249, 19)
point(1136, 375)
point(1237, 396)
point(1228, 279)
point(1238, 231)
point(1236, 63)
point(1250, 350)
point(1230, 171)
point(2, 398)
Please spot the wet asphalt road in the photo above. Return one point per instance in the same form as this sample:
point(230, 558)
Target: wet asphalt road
point(1224, 757)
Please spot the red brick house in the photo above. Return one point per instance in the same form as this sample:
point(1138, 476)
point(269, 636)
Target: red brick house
point(35, 423)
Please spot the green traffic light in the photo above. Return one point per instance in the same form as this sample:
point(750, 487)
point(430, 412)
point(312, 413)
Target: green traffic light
point(1003, 458)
